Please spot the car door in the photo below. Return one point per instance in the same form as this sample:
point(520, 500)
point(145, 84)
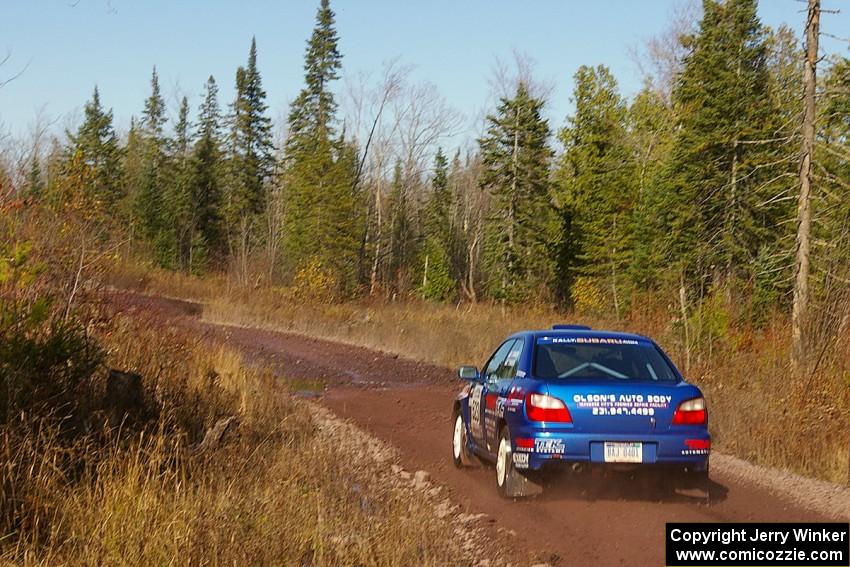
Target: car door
point(499, 389)
point(477, 396)
point(490, 388)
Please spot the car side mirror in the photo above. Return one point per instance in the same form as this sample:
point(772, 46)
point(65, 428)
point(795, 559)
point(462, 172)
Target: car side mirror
point(469, 373)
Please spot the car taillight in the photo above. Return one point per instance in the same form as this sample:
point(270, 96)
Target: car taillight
point(540, 407)
point(690, 412)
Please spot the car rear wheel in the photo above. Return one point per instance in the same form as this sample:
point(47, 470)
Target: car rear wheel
point(510, 483)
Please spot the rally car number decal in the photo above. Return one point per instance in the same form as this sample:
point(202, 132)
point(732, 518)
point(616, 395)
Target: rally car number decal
point(475, 410)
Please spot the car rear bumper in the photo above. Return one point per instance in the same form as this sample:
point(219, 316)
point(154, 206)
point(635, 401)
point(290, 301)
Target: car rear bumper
point(533, 448)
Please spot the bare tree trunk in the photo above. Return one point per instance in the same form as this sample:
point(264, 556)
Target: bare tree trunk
point(683, 305)
point(76, 284)
point(799, 313)
point(614, 275)
point(373, 278)
point(469, 286)
point(425, 275)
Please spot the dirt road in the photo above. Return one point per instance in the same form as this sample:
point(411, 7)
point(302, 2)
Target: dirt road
point(408, 404)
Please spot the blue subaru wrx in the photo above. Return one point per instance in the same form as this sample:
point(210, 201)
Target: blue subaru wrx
point(572, 395)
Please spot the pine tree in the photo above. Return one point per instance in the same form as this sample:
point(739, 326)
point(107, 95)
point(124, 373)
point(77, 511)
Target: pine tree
point(250, 160)
point(435, 257)
point(439, 204)
point(35, 182)
point(321, 216)
point(830, 262)
point(400, 225)
point(97, 145)
point(312, 114)
point(251, 142)
point(597, 173)
point(206, 240)
point(716, 217)
point(132, 171)
point(150, 199)
point(521, 232)
point(179, 209)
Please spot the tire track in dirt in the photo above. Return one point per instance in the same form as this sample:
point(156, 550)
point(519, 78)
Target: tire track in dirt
point(408, 404)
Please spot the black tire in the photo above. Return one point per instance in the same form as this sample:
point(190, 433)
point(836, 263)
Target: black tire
point(510, 483)
point(461, 455)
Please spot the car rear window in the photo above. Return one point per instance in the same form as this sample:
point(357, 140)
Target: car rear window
point(599, 358)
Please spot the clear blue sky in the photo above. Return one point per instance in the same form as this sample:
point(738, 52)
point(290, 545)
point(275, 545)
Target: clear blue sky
point(71, 46)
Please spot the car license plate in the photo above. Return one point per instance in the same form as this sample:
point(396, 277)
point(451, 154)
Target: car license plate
point(623, 452)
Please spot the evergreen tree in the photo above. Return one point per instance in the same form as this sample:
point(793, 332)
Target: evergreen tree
point(206, 239)
point(252, 150)
point(132, 170)
point(597, 173)
point(717, 218)
point(435, 258)
point(312, 114)
point(35, 182)
point(321, 216)
point(96, 145)
point(831, 206)
point(651, 124)
point(179, 207)
point(439, 204)
point(250, 160)
point(400, 225)
point(521, 232)
point(150, 198)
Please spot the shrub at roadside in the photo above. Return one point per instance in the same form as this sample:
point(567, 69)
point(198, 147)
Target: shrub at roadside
point(276, 490)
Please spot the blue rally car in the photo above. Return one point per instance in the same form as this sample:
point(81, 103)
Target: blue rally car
point(586, 398)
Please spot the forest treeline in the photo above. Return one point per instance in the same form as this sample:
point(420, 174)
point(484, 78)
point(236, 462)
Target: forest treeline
point(685, 191)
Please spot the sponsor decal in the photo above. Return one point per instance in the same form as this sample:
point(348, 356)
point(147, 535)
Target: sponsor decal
point(500, 406)
point(515, 393)
point(623, 411)
point(520, 373)
point(585, 341)
point(514, 400)
point(520, 460)
point(695, 451)
point(524, 444)
point(491, 401)
point(475, 410)
point(549, 446)
point(622, 404)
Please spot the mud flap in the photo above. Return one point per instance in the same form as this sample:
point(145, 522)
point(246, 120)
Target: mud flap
point(694, 485)
point(518, 485)
point(468, 456)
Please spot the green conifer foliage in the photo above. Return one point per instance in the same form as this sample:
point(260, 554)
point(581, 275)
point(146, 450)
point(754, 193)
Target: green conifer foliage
point(179, 210)
point(150, 203)
point(97, 145)
point(250, 163)
point(718, 182)
point(321, 217)
point(207, 242)
point(521, 234)
point(435, 257)
point(597, 176)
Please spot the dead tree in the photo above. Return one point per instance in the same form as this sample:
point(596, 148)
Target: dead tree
point(800, 306)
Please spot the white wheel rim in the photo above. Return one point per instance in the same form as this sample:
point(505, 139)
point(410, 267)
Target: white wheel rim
point(457, 438)
point(502, 462)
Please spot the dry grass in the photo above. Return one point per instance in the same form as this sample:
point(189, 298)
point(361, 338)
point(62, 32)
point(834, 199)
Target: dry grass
point(275, 492)
point(757, 411)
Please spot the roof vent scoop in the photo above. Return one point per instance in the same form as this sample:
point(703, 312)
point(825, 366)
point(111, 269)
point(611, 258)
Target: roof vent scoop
point(571, 328)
